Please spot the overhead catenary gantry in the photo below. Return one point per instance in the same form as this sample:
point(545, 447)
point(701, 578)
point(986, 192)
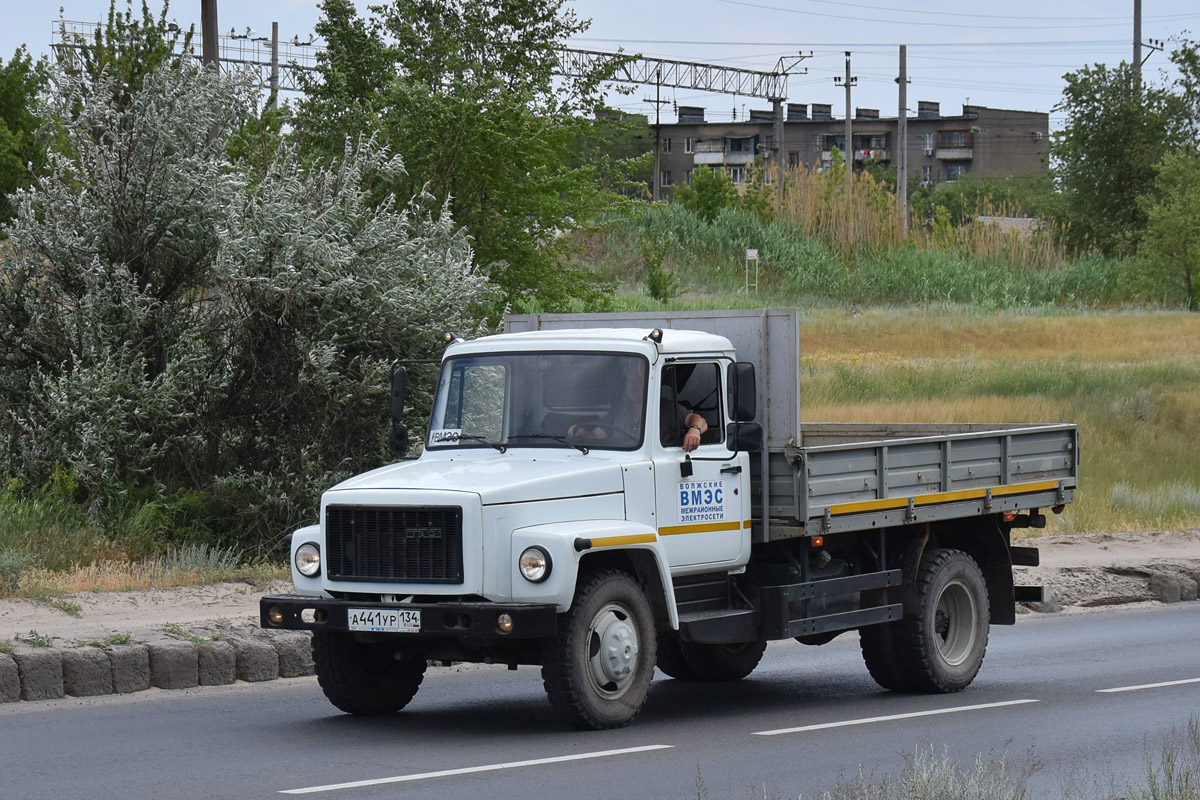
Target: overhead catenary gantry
point(660, 72)
point(639, 69)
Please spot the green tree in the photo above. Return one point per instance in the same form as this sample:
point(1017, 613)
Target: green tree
point(619, 147)
point(176, 324)
point(1103, 158)
point(1186, 58)
point(709, 192)
point(756, 196)
point(21, 154)
point(1171, 245)
point(465, 92)
point(126, 48)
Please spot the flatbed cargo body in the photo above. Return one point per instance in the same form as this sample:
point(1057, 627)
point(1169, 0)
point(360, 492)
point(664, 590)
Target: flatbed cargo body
point(848, 476)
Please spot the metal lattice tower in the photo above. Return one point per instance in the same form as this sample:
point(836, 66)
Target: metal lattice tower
point(294, 57)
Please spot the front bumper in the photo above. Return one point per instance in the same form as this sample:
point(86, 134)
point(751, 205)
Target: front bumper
point(476, 620)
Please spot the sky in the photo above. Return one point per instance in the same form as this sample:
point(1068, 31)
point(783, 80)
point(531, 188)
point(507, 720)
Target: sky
point(1002, 55)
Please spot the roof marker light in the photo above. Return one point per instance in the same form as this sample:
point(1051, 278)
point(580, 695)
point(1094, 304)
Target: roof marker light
point(656, 336)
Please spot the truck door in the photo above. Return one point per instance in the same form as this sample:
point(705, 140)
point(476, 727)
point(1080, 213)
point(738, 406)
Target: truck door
point(700, 515)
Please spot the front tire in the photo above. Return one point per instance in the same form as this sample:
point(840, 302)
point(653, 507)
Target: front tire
point(367, 678)
point(597, 669)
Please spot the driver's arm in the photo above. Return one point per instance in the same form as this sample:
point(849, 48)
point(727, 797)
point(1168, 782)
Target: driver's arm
point(695, 427)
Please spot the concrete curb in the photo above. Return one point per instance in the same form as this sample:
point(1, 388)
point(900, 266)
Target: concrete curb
point(211, 656)
point(223, 653)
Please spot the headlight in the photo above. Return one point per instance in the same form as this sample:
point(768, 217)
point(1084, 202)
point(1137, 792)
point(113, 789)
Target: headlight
point(308, 560)
point(534, 564)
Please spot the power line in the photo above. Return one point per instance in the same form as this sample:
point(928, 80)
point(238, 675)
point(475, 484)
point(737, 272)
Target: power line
point(1057, 44)
point(1024, 26)
point(1024, 17)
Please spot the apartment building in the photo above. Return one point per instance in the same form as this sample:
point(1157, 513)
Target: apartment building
point(981, 141)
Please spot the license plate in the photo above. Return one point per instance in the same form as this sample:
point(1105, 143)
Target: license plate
point(384, 620)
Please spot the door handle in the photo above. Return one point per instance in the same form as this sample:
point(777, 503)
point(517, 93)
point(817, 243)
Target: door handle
point(731, 469)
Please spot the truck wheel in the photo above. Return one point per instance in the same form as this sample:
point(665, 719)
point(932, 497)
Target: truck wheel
point(940, 645)
point(670, 661)
point(597, 669)
point(368, 678)
point(878, 643)
point(722, 662)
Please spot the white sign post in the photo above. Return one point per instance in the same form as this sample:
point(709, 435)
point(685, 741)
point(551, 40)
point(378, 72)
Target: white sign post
point(751, 255)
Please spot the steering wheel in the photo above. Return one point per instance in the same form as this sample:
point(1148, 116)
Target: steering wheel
point(609, 431)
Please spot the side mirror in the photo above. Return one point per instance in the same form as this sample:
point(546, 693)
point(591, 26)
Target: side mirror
point(398, 440)
point(398, 434)
point(744, 437)
point(743, 391)
point(399, 392)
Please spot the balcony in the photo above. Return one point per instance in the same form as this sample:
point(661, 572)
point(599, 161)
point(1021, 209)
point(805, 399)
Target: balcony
point(878, 155)
point(955, 153)
point(722, 158)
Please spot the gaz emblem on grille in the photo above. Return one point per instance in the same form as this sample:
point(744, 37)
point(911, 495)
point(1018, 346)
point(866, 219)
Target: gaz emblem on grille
point(422, 533)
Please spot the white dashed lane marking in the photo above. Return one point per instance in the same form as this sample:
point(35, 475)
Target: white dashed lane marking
point(446, 773)
point(871, 720)
point(1147, 686)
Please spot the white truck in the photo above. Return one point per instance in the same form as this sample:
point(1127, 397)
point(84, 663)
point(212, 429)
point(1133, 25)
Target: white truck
point(554, 519)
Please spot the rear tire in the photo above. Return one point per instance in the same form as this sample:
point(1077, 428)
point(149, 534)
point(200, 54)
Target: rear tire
point(938, 647)
point(722, 662)
point(670, 661)
point(878, 643)
point(597, 669)
point(367, 678)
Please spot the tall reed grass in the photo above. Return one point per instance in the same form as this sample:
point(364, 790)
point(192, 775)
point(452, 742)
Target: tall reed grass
point(992, 270)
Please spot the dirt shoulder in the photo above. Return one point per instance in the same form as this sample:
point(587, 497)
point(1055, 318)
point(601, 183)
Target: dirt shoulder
point(1085, 571)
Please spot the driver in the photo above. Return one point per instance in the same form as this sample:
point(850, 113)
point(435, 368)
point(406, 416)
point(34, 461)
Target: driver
point(622, 422)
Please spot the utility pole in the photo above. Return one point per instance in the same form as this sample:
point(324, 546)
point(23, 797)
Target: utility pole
point(208, 32)
point(780, 151)
point(902, 145)
point(274, 62)
point(656, 179)
point(848, 153)
point(1137, 43)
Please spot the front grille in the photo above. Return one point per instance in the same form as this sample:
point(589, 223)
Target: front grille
point(401, 544)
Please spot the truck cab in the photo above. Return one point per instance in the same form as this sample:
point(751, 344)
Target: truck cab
point(549, 456)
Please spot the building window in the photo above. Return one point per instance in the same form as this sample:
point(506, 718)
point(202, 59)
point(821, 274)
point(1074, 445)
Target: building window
point(818, 142)
point(738, 174)
point(953, 171)
point(793, 158)
point(743, 144)
point(687, 176)
point(664, 178)
point(688, 144)
point(877, 141)
point(952, 139)
point(927, 138)
point(666, 145)
point(926, 174)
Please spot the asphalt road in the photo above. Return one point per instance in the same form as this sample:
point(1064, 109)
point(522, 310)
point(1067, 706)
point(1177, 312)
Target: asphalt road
point(806, 717)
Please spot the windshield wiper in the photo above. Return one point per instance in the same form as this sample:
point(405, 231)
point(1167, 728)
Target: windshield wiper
point(552, 437)
point(484, 439)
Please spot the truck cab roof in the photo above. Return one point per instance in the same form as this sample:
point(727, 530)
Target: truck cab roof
point(674, 342)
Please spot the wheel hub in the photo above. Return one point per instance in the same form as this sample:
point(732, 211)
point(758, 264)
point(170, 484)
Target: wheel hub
point(954, 623)
point(612, 649)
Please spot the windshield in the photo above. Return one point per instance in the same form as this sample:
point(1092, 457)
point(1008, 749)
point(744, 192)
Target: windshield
point(581, 400)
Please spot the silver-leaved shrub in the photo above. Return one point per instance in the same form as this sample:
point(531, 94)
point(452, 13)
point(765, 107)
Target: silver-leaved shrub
point(172, 324)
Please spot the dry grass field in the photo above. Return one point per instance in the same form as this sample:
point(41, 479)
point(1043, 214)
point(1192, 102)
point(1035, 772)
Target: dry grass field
point(1130, 380)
